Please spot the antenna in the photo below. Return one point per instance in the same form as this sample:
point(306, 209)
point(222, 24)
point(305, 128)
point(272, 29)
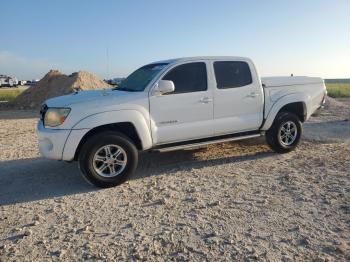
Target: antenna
point(107, 56)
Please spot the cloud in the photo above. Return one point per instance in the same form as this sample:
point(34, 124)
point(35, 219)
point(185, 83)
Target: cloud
point(23, 67)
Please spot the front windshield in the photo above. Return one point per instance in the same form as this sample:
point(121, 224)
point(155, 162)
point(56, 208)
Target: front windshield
point(139, 79)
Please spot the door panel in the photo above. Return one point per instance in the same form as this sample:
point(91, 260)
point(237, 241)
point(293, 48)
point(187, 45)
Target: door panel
point(238, 100)
point(181, 117)
point(187, 113)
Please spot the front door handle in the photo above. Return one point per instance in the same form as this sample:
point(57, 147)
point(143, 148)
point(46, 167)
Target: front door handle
point(252, 95)
point(205, 100)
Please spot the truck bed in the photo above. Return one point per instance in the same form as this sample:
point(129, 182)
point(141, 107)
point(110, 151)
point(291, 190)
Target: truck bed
point(290, 80)
point(310, 91)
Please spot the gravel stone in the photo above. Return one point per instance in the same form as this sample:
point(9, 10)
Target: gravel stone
point(236, 201)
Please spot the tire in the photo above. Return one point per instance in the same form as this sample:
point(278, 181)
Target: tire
point(96, 164)
point(279, 138)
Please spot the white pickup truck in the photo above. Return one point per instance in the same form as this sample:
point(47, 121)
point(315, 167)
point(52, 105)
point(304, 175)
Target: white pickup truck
point(171, 105)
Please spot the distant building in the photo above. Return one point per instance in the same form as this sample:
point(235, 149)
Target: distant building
point(31, 82)
point(8, 81)
point(114, 81)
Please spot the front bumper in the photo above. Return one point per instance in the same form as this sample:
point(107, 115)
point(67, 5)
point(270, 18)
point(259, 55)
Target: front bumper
point(51, 141)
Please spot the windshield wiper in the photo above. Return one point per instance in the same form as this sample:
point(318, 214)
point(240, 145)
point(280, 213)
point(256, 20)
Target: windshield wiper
point(124, 89)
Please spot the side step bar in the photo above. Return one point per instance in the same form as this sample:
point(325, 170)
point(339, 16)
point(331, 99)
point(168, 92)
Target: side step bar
point(192, 144)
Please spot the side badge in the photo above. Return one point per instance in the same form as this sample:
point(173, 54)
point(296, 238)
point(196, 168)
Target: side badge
point(168, 122)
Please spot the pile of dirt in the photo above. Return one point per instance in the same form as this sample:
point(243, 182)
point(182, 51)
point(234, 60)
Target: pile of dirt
point(336, 107)
point(53, 84)
point(334, 110)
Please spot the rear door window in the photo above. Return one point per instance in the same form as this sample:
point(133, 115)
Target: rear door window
point(232, 74)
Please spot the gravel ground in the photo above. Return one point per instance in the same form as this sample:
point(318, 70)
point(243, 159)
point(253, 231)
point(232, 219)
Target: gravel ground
point(233, 201)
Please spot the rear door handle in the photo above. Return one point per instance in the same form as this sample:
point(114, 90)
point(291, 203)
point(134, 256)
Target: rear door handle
point(205, 100)
point(252, 95)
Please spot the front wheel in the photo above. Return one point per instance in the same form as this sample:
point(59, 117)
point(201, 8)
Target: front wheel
point(285, 133)
point(107, 159)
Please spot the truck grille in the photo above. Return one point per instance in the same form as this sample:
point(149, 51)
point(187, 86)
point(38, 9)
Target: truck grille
point(43, 110)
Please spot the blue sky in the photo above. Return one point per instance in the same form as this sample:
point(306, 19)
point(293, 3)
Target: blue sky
point(282, 37)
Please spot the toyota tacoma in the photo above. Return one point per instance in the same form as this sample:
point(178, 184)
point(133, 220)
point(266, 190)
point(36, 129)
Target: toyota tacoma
point(172, 105)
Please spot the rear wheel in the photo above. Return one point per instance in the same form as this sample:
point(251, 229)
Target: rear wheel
point(107, 159)
point(285, 133)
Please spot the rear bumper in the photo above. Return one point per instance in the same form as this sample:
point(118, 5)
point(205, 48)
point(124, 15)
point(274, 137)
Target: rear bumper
point(51, 141)
point(321, 106)
point(323, 102)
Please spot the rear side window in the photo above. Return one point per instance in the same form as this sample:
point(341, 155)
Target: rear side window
point(187, 78)
point(231, 74)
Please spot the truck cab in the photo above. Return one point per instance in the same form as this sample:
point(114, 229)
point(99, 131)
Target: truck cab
point(171, 105)
point(210, 98)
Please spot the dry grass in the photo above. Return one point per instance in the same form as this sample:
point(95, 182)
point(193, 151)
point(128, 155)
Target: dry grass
point(338, 89)
point(9, 94)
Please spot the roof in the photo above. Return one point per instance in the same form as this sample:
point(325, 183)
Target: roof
point(194, 58)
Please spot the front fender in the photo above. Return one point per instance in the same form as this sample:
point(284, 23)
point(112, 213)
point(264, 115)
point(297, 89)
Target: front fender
point(281, 102)
point(125, 115)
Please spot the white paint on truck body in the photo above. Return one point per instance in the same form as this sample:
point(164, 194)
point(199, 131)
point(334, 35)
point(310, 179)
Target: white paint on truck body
point(280, 91)
point(161, 119)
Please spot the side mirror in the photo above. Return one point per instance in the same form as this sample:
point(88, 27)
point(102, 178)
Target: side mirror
point(164, 87)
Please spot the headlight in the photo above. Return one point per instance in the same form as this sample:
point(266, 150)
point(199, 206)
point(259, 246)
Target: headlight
point(56, 116)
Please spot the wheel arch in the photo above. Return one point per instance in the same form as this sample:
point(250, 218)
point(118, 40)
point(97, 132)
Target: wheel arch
point(295, 105)
point(297, 108)
point(126, 128)
point(132, 123)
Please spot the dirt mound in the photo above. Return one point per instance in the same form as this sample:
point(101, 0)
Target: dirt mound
point(335, 110)
point(331, 125)
point(53, 84)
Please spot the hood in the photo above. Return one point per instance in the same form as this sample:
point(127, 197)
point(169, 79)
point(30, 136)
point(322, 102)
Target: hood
point(84, 97)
